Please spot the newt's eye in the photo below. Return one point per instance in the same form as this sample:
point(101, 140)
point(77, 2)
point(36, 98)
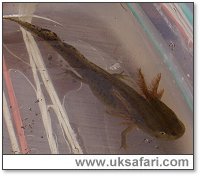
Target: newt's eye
point(162, 133)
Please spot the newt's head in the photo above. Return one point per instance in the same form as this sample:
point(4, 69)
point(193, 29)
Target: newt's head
point(166, 124)
point(161, 121)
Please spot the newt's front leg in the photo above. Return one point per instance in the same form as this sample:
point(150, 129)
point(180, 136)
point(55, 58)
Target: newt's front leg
point(124, 135)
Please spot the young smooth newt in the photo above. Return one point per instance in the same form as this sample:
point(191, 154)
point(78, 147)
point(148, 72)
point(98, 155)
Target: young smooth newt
point(146, 110)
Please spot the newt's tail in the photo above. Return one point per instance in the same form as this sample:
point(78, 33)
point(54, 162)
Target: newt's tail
point(38, 31)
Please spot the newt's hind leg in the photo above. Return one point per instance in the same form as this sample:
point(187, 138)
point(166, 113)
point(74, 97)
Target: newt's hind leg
point(117, 113)
point(124, 135)
point(120, 75)
point(124, 77)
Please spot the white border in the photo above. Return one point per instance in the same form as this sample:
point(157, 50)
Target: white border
point(109, 162)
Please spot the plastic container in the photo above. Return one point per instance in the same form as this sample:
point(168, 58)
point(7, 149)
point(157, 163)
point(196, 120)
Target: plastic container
point(51, 112)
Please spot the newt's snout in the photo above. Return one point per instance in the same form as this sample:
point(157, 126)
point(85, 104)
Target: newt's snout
point(170, 127)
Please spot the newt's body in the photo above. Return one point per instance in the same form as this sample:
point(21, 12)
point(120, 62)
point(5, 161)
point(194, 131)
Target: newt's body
point(146, 111)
